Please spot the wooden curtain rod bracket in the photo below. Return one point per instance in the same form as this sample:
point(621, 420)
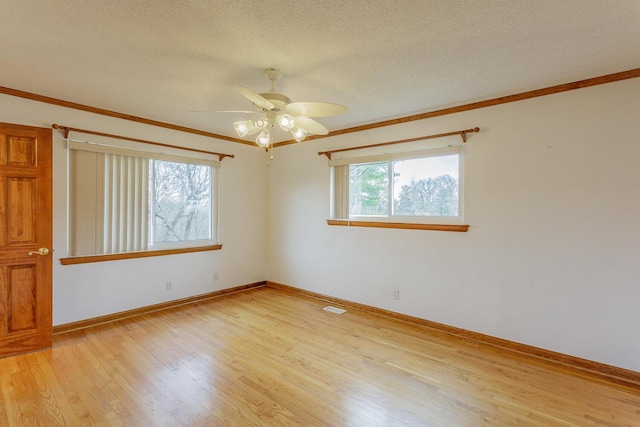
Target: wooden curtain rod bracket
point(67, 129)
point(63, 128)
point(462, 133)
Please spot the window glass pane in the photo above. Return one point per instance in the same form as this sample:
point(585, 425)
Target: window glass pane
point(181, 202)
point(369, 189)
point(426, 187)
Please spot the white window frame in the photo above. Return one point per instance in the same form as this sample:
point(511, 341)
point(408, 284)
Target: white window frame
point(338, 190)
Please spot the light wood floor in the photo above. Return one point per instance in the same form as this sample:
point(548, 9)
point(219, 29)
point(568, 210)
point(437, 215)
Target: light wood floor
point(265, 357)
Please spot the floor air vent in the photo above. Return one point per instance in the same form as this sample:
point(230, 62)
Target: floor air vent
point(334, 310)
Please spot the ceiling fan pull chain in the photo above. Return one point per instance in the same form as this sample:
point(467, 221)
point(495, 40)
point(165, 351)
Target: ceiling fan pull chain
point(270, 153)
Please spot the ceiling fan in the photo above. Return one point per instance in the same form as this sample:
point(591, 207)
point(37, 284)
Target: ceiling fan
point(294, 117)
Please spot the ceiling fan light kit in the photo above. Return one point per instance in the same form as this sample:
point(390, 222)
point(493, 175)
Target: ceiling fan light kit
point(242, 127)
point(299, 134)
point(286, 122)
point(264, 138)
point(293, 117)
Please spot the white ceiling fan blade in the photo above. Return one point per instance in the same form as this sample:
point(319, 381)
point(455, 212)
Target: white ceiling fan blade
point(311, 125)
point(314, 109)
point(258, 100)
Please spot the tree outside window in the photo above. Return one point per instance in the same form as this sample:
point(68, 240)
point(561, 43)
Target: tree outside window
point(422, 187)
point(181, 202)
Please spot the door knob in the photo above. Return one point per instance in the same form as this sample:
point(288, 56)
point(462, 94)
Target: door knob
point(41, 251)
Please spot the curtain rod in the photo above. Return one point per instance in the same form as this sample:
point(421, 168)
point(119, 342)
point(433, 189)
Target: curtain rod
point(67, 129)
point(462, 133)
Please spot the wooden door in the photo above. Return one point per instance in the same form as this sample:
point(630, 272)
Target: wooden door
point(25, 239)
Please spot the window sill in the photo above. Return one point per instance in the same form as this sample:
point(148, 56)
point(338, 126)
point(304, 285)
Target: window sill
point(404, 225)
point(130, 255)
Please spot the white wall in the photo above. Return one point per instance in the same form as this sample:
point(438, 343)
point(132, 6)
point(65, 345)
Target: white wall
point(90, 290)
point(552, 255)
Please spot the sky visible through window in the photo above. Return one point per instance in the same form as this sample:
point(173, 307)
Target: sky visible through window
point(406, 171)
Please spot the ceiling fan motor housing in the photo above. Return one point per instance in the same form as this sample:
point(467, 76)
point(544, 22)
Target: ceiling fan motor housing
point(277, 99)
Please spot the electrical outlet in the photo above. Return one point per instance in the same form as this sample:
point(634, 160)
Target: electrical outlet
point(169, 286)
point(396, 294)
point(215, 277)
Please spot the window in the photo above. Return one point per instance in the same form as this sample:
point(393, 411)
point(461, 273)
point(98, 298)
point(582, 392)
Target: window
point(123, 201)
point(417, 187)
point(181, 202)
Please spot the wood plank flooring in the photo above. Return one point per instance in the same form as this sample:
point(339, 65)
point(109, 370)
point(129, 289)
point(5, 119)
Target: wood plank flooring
point(264, 357)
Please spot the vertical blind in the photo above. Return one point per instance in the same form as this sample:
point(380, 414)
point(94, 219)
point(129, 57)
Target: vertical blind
point(340, 199)
point(108, 196)
point(126, 193)
point(86, 202)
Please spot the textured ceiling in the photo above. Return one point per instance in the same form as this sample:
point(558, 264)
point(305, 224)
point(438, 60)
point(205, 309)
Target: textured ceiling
point(383, 59)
